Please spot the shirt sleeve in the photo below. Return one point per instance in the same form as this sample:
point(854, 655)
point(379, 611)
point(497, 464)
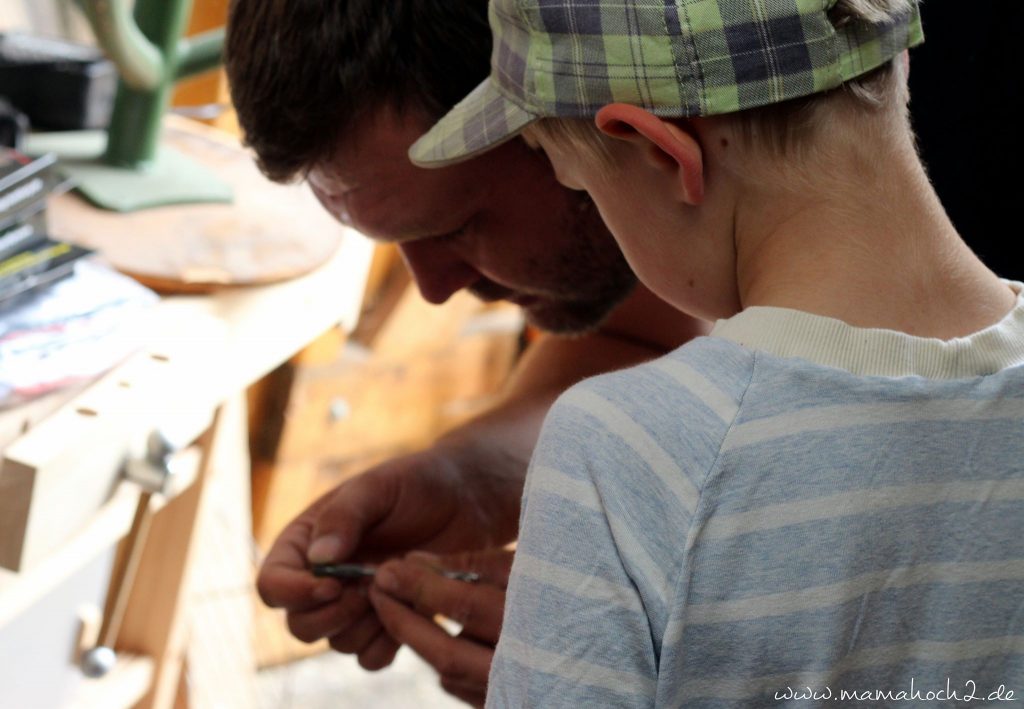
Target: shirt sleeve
point(610, 501)
point(575, 633)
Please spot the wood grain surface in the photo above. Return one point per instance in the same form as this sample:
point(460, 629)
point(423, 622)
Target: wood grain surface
point(271, 233)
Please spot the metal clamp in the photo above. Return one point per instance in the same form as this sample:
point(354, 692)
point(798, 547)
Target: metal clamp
point(154, 474)
point(155, 471)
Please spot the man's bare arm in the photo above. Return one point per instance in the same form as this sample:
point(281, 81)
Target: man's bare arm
point(463, 493)
point(501, 439)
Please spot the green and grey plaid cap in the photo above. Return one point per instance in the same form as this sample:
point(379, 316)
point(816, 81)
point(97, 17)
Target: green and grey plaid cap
point(676, 58)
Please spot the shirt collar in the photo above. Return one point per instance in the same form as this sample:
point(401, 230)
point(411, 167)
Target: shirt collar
point(784, 332)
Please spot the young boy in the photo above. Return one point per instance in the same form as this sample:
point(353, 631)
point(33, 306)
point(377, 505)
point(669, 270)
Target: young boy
point(827, 494)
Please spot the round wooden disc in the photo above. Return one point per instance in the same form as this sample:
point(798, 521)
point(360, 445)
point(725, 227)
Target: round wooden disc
point(269, 233)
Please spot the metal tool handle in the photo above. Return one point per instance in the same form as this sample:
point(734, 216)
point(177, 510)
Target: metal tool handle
point(99, 660)
point(349, 572)
point(152, 473)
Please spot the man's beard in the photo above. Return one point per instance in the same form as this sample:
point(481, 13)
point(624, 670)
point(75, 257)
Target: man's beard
point(583, 284)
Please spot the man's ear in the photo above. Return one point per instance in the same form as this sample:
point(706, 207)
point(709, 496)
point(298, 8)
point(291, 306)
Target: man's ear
point(666, 145)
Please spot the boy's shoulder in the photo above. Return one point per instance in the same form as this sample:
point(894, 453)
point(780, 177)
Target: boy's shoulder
point(707, 367)
point(650, 432)
point(686, 399)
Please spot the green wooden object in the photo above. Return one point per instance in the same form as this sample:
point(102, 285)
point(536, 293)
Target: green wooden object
point(151, 55)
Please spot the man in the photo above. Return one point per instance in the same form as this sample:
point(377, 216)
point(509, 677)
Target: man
point(336, 92)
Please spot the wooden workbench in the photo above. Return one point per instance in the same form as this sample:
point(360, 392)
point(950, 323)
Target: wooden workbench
point(62, 509)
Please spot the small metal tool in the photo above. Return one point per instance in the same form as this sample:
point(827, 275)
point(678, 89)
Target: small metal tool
point(349, 572)
point(345, 572)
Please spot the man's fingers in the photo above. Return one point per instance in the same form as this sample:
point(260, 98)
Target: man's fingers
point(477, 607)
point(282, 586)
point(472, 695)
point(379, 653)
point(358, 636)
point(330, 619)
point(283, 580)
point(345, 514)
point(461, 659)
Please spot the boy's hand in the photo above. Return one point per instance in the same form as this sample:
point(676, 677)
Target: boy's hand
point(437, 500)
point(409, 593)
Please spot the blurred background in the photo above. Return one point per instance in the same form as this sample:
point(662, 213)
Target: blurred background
point(276, 378)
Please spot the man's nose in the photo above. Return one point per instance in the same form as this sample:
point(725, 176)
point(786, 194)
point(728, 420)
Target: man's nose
point(438, 271)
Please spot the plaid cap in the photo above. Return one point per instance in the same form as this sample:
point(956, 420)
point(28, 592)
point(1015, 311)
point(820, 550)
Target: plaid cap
point(675, 58)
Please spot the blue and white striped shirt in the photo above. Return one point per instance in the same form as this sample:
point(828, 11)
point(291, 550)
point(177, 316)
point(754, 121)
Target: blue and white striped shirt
point(789, 507)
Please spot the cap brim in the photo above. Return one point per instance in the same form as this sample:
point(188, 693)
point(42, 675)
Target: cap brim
point(481, 121)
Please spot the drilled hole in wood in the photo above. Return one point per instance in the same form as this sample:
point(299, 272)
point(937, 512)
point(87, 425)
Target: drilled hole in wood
point(160, 357)
point(86, 412)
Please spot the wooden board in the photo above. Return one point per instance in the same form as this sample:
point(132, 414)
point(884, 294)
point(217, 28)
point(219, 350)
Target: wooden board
point(56, 476)
point(201, 350)
point(429, 369)
point(271, 232)
point(221, 660)
point(154, 623)
point(17, 420)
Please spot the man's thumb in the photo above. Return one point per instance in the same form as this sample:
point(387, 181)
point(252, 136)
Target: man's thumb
point(343, 518)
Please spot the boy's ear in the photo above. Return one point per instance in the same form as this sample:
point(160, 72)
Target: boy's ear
point(667, 146)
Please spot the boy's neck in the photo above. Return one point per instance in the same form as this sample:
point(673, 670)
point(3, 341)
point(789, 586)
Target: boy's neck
point(877, 252)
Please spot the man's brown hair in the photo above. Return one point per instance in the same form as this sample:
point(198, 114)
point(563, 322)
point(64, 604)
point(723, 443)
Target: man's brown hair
point(305, 72)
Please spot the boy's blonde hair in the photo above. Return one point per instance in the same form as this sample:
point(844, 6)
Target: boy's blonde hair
point(786, 129)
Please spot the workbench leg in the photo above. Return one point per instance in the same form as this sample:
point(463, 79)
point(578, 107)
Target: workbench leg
point(155, 621)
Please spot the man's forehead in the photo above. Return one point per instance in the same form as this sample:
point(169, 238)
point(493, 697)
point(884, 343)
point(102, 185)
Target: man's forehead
point(385, 194)
point(383, 131)
point(346, 173)
point(374, 154)
point(348, 169)
point(393, 202)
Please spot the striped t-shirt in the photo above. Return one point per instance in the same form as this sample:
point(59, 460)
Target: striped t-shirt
point(789, 509)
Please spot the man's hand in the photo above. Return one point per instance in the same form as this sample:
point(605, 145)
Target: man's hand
point(409, 593)
point(462, 494)
point(443, 499)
